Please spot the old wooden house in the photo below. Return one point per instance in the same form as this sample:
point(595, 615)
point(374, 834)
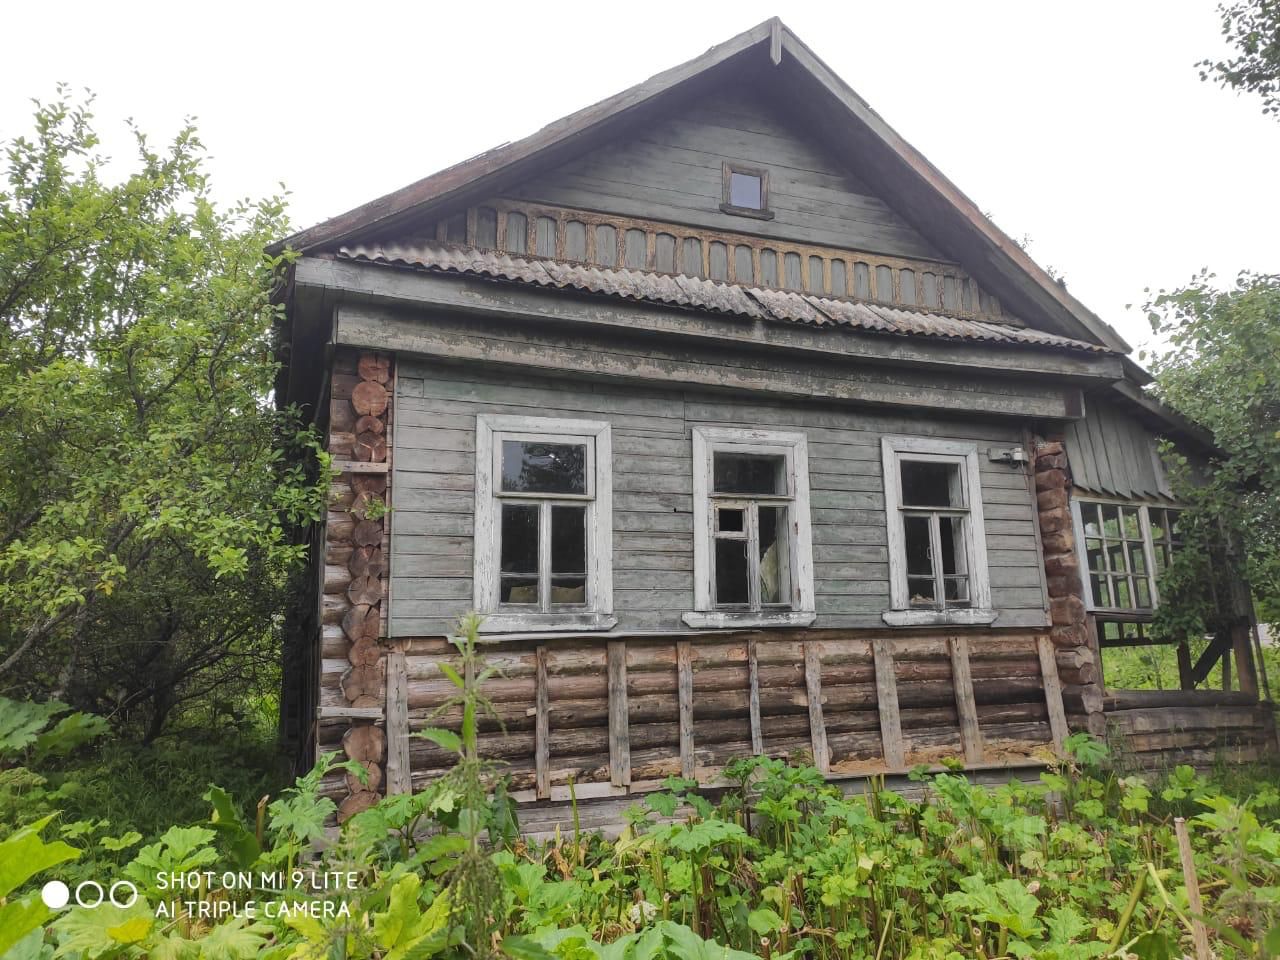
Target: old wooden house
point(747, 432)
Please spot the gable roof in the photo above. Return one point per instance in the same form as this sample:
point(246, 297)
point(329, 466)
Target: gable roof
point(817, 97)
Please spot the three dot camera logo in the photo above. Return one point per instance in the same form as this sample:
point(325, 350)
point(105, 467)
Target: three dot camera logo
point(89, 894)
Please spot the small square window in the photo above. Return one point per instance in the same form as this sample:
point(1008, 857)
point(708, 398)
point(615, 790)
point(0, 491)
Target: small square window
point(745, 191)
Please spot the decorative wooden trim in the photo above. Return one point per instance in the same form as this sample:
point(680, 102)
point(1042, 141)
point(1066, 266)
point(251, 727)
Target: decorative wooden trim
point(1052, 692)
point(813, 691)
point(965, 454)
point(966, 706)
point(887, 703)
point(619, 728)
point(684, 685)
point(983, 304)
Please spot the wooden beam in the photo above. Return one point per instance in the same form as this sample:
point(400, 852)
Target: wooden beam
point(615, 354)
point(383, 285)
point(887, 699)
point(1217, 648)
point(1186, 674)
point(360, 466)
point(753, 674)
point(966, 705)
point(684, 686)
point(619, 728)
point(813, 689)
point(1246, 672)
point(1052, 692)
point(542, 728)
point(399, 775)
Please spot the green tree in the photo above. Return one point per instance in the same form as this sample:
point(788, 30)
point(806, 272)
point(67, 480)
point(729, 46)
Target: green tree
point(148, 486)
point(1253, 28)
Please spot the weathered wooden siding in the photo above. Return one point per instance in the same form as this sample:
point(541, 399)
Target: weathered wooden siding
point(1115, 454)
point(652, 493)
point(672, 171)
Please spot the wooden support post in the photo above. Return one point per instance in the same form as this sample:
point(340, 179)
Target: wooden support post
point(1052, 692)
point(399, 779)
point(1226, 666)
point(753, 672)
point(542, 729)
point(1186, 678)
point(619, 728)
point(966, 705)
point(684, 684)
point(1199, 935)
point(1245, 670)
point(813, 688)
point(887, 700)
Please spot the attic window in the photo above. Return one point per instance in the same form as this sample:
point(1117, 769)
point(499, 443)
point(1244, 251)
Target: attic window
point(745, 191)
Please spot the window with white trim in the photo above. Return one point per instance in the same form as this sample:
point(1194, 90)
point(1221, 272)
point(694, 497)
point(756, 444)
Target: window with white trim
point(1123, 548)
point(543, 524)
point(937, 545)
point(752, 545)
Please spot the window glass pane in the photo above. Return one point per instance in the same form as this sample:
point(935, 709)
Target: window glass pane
point(1089, 515)
point(520, 538)
point(1111, 630)
point(749, 473)
point(568, 540)
point(1124, 595)
point(1157, 518)
point(1093, 550)
point(927, 484)
point(921, 591)
point(1132, 528)
point(731, 520)
point(1110, 521)
point(1137, 558)
point(1115, 555)
point(731, 572)
point(1101, 592)
point(773, 554)
point(957, 591)
point(1143, 589)
point(518, 590)
point(952, 536)
point(919, 560)
point(537, 467)
point(744, 191)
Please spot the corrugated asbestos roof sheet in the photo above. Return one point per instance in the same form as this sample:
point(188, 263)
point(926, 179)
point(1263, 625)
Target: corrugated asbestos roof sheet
point(783, 306)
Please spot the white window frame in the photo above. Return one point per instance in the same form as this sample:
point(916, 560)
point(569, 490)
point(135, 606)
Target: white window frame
point(1148, 550)
point(491, 430)
point(893, 451)
point(794, 448)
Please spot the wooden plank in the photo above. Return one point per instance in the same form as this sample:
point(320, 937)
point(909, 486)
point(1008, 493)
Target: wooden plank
point(1246, 672)
point(1052, 692)
point(399, 776)
point(619, 729)
point(813, 689)
point(753, 673)
point(542, 727)
point(684, 684)
point(966, 707)
point(360, 466)
point(1199, 934)
point(887, 699)
point(348, 713)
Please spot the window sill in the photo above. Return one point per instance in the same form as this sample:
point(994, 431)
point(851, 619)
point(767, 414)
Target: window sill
point(728, 620)
point(752, 212)
point(545, 622)
point(927, 618)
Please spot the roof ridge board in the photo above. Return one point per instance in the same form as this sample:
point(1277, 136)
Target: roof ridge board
point(466, 174)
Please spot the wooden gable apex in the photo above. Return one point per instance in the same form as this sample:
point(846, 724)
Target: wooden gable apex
point(916, 211)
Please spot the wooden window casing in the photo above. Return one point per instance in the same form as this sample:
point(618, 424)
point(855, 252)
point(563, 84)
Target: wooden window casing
point(728, 170)
point(962, 457)
point(596, 612)
point(795, 564)
point(1145, 549)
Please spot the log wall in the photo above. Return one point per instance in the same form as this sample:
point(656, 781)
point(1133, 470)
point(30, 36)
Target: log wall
point(1152, 729)
point(353, 661)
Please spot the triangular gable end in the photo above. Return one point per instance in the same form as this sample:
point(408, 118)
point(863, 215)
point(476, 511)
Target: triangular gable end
point(653, 152)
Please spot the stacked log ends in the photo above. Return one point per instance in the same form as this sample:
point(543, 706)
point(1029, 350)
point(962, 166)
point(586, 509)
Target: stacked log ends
point(360, 421)
point(1069, 630)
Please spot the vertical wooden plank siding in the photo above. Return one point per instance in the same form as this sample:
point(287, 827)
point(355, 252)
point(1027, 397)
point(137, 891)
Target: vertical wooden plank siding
point(1052, 691)
point(966, 707)
point(684, 685)
point(887, 698)
point(398, 775)
point(813, 690)
point(542, 728)
point(753, 675)
point(619, 731)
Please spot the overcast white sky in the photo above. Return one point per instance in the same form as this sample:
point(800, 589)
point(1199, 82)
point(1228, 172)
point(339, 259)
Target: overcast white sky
point(1084, 126)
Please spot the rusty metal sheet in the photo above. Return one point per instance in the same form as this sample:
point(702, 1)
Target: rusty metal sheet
point(782, 306)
